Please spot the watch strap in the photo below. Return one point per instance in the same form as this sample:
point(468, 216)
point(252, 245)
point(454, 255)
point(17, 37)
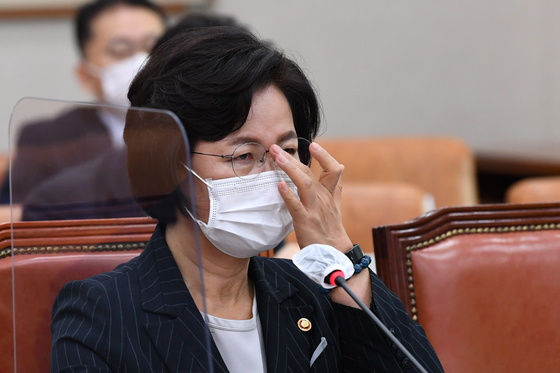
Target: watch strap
point(355, 254)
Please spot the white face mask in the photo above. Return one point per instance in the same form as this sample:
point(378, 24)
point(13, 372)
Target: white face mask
point(116, 78)
point(247, 217)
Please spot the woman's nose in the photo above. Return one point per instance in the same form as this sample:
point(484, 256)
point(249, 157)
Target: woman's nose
point(269, 163)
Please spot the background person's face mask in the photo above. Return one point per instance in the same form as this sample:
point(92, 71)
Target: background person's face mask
point(247, 217)
point(116, 78)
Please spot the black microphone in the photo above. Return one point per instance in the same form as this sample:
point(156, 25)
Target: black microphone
point(336, 278)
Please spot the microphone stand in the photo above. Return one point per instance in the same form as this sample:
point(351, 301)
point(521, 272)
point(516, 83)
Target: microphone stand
point(337, 278)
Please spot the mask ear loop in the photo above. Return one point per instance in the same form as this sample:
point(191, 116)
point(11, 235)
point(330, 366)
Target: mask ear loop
point(198, 177)
point(192, 217)
point(205, 182)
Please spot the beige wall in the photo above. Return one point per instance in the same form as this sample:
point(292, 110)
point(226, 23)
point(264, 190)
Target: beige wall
point(37, 59)
point(488, 72)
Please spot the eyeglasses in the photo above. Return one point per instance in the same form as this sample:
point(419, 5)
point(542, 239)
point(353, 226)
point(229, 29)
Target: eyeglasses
point(122, 48)
point(248, 159)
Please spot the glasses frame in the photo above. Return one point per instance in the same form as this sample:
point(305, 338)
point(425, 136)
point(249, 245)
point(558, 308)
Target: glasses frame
point(230, 156)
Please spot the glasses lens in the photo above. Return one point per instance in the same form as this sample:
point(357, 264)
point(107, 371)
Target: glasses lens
point(298, 147)
point(248, 160)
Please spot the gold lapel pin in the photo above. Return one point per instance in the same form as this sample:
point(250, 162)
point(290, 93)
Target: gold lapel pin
point(304, 324)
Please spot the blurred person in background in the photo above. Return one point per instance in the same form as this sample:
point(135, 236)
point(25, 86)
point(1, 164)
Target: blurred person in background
point(99, 188)
point(114, 38)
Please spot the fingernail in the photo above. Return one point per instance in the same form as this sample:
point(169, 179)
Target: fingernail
point(315, 147)
point(281, 159)
point(275, 149)
point(283, 187)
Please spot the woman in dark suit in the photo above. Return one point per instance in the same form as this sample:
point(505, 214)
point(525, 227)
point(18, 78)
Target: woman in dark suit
point(250, 116)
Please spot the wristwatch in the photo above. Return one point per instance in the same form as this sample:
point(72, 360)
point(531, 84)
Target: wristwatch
point(355, 254)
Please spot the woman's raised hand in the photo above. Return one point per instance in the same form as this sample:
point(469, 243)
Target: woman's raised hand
point(316, 214)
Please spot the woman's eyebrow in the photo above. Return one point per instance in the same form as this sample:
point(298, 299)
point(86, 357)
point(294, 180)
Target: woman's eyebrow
point(288, 135)
point(240, 140)
point(244, 139)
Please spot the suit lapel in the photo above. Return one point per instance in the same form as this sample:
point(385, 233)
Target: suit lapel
point(176, 329)
point(184, 345)
point(179, 334)
point(285, 344)
point(273, 322)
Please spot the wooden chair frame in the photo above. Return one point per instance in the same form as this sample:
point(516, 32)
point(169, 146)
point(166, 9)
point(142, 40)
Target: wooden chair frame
point(76, 239)
point(59, 236)
point(393, 244)
point(112, 241)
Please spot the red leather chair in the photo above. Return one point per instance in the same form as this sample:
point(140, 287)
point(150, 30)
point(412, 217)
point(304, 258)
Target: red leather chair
point(366, 205)
point(482, 281)
point(443, 167)
point(534, 190)
point(47, 255)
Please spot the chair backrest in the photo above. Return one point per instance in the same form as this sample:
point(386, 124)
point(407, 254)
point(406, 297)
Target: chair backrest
point(367, 205)
point(444, 167)
point(534, 190)
point(482, 281)
point(6, 213)
point(47, 255)
point(4, 165)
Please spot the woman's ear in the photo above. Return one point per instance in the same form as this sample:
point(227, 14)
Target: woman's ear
point(88, 81)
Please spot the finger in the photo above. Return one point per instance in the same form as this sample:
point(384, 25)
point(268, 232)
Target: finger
point(293, 203)
point(300, 174)
point(277, 151)
point(338, 189)
point(332, 170)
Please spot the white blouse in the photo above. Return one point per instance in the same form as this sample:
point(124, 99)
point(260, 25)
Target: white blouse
point(240, 342)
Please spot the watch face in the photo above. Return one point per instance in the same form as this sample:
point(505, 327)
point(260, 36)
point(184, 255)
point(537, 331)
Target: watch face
point(355, 254)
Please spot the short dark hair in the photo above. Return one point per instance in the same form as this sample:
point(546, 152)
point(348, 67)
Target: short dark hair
point(88, 12)
point(207, 77)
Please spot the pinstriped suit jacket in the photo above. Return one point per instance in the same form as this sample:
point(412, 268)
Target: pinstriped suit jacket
point(141, 318)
